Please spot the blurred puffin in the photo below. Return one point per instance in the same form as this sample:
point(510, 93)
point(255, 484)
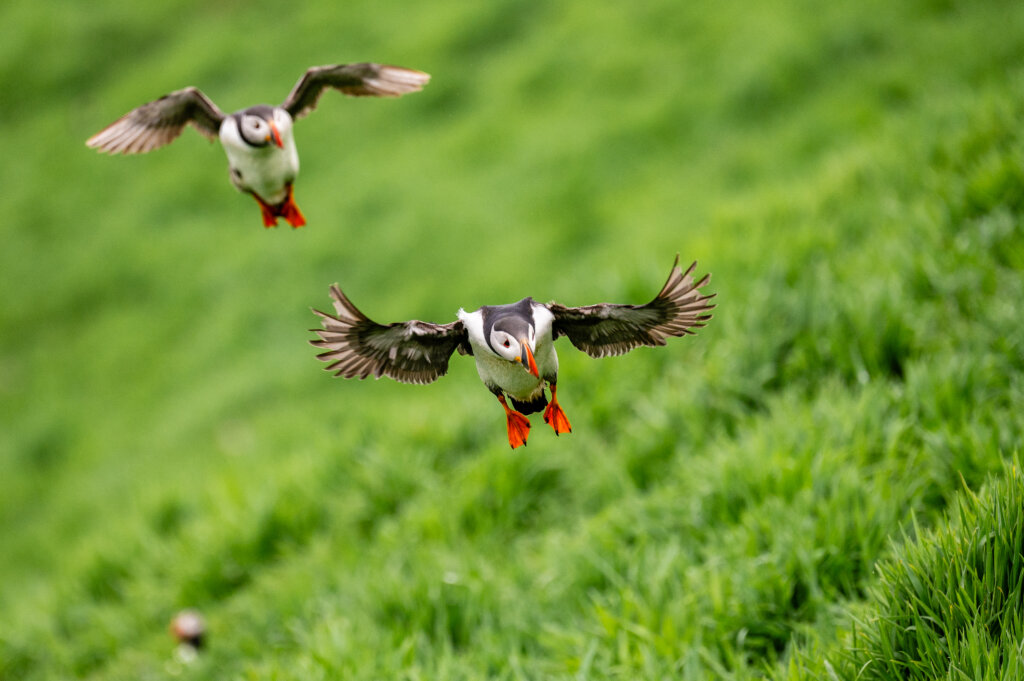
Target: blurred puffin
point(189, 628)
point(513, 344)
point(258, 141)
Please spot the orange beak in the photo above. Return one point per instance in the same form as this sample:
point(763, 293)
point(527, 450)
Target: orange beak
point(529, 363)
point(275, 134)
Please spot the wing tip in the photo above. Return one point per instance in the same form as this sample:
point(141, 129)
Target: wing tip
point(102, 141)
point(406, 74)
point(394, 81)
point(342, 304)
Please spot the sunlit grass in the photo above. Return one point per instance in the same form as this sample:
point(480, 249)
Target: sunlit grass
point(815, 485)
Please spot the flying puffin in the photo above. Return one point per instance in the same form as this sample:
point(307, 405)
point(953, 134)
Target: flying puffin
point(258, 141)
point(513, 344)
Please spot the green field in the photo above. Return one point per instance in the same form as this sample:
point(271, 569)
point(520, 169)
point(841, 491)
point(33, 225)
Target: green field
point(824, 483)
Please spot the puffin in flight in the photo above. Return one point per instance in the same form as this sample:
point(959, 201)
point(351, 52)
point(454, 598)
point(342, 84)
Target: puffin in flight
point(513, 345)
point(258, 141)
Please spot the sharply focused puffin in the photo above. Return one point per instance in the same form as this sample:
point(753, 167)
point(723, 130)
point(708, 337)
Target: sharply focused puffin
point(513, 344)
point(258, 141)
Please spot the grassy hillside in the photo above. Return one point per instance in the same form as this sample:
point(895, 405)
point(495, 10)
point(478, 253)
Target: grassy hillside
point(770, 498)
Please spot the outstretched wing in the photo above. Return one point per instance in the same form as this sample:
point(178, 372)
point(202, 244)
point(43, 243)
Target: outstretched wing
point(410, 352)
point(605, 330)
point(357, 80)
point(157, 123)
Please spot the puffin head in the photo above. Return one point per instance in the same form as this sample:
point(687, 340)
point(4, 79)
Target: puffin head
point(261, 126)
point(513, 338)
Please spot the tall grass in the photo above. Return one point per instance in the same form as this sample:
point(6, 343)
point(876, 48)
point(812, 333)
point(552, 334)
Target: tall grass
point(948, 604)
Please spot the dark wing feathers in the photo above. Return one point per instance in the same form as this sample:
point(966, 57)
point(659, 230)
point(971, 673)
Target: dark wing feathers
point(410, 352)
point(605, 330)
point(159, 122)
point(357, 80)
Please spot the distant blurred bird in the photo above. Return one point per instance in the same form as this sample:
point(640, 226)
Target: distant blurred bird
point(188, 628)
point(513, 344)
point(258, 141)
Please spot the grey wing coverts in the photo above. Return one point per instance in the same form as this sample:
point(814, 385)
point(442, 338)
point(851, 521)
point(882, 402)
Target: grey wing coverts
point(159, 122)
point(607, 329)
point(410, 352)
point(357, 80)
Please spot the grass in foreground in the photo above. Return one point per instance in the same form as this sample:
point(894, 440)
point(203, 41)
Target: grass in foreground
point(948, 604)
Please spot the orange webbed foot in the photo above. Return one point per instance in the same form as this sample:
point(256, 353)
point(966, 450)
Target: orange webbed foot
point(290, 211)
point(267, 212)
point(518, 429)
point(555, 417)
point(518, 425)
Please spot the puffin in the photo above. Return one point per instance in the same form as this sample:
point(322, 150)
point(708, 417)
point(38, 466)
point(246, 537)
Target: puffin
point(189, 628)
point(513, 344)
point(258, 141)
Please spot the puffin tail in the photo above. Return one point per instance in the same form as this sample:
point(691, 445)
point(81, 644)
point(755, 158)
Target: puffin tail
point(531, 405)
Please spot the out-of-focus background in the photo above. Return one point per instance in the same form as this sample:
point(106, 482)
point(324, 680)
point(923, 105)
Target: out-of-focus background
point(785, 494)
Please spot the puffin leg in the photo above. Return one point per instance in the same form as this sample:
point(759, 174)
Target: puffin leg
point(268, 212)
point(518, 425)
point(554, 416)
point(290, 212)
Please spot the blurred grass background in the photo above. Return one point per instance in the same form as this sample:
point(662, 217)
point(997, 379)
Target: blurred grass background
point(762, 500)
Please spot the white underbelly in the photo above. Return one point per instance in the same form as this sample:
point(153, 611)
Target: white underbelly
point(266, 173)
point(511, 377)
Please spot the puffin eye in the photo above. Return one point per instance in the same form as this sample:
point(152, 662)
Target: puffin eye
point(505, 344)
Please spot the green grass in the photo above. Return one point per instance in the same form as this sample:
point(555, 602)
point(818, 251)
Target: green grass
point(824, 483)
point(947, 605)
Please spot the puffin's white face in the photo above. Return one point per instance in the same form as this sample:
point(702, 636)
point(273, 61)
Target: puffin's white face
point(509, 347)
point(258, 131)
